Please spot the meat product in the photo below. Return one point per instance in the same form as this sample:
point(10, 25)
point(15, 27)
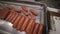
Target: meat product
point(32, 28)
point(12, 16)
point(20, 23)
point(10, 7)
point(15, 17)
point(32, 16)
point(16, 21)
point(0, 13)
point(4, 12)
point(25, 23)
point(40, 29)
point(36, 29)
point(29, 25)
point(24, 10)
point(33, 12)
point(9, 16)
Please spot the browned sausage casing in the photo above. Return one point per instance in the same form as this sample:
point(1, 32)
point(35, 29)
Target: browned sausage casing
point(21, 21)
point(29, 25)
point(32, 28)
point(9, 16)
point(4, 12)
point(15, 17)
point(33, 12)
point(36, 29)
point(1, 14)
point(16, 21)
point(12, 16)
point(25, 23)
point(24, 10)
point(40, 29)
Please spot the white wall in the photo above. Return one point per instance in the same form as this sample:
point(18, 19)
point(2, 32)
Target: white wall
point(57, 25)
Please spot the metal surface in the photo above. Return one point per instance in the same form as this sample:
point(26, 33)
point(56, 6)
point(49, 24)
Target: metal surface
point(6, 28)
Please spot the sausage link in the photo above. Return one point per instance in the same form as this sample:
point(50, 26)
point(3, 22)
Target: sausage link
point(32, 16)
point(12, 17)
point(16, 21)
point(11, 13)
point(36, 29)
point(15, 17)
point(29, 25)
point(32, 28)
point(4, 12)
point(0, 14)
point(40, 29)
point(24, 10)
point(33, 12)
point(20, 23)
point(5, 9)
point(25, 23)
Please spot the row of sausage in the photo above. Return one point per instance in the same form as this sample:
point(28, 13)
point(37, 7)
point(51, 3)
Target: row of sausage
point(5, 11)
point(22, 22)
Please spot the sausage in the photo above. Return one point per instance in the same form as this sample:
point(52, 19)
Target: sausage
point(32, 16)
point(4, 12)
point(0, 13)
point(12, 17)
point(13, 8)
point(29, 25)
point(40, 29)
point(33, 12)
point(25, 24)
point(21, 21)
point(9, 16)
point(36, 29)
point(16, 21)
point(24, 10)
point(15, 17)
point(18, 11)
point(32, 28)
